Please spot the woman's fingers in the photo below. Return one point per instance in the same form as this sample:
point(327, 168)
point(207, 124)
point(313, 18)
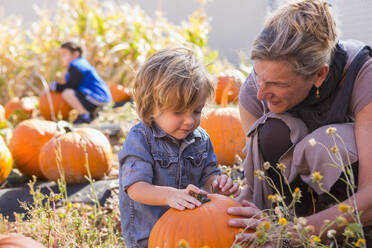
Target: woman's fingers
point(245, 237)
point(243, 223)
point(245, 211)
point(246, 203)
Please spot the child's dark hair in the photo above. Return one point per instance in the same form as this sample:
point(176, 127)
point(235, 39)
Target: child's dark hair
point(72, 47)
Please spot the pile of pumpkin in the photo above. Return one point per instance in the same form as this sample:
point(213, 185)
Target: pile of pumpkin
point(46, 149)
point(29, 137)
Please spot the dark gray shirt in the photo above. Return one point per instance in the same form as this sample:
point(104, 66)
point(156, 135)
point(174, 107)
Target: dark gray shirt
point(150, 155)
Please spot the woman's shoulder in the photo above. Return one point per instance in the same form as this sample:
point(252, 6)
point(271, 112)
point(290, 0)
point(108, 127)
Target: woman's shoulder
point(352, 47)
point(362, 90)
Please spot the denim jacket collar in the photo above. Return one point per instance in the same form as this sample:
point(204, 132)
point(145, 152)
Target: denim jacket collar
point(159, 133)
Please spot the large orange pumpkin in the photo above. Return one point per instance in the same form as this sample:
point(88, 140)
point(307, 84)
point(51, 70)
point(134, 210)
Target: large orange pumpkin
point(60, 106)
point(233, 92)
point(206, 225)
point(71, 147)
point(6, 161)
point(22, 108)
point(18, 241)
point(27, 140)
point(119, 92)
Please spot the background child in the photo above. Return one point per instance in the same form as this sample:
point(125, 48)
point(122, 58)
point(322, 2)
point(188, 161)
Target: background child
point(83, 89)
point(167, 155)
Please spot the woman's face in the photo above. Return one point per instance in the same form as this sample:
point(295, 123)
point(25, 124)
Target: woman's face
point(279, 85)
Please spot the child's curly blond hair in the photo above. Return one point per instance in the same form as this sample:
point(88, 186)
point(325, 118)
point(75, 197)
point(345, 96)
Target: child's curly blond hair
point(171, 79)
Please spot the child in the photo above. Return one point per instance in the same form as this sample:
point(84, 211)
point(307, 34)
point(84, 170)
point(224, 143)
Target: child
point(167, 155)
point(83, 89)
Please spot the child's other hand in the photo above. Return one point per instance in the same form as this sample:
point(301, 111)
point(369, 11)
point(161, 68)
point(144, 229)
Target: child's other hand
point(225, 186)
point(181, 200)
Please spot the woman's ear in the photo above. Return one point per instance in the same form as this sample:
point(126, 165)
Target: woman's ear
point(321, 75)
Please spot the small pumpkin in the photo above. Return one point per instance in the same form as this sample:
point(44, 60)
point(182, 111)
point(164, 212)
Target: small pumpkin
point(206, 225)
point(6, 161)
point(73, 160)
point(27, 140)
point(233, 92)
point(22, 108)
point(60, 106)
point(119, 92)
point(18, 241)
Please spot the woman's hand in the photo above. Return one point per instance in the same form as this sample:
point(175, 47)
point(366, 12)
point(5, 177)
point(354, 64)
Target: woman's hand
point(250, 213)
point(225, 186)
point(181, 199)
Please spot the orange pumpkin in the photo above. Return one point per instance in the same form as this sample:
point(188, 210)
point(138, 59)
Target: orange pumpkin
point(18, 241)
point(73, 160)
point(27, 140)
point(6, 161)
point(222, 83)
point(119, 92)
point(60, 106)
point(22, 108)
point(225, 131)
point(206, 225)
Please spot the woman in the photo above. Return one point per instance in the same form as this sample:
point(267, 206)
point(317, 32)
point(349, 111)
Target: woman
point(303, 82)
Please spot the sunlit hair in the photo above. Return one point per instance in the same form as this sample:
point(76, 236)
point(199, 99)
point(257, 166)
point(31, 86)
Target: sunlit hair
point(303, 33)
point(172, 79)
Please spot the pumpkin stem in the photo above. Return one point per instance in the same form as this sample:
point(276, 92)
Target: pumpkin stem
point(225, 94)
point(200, 197)
point(64, 126)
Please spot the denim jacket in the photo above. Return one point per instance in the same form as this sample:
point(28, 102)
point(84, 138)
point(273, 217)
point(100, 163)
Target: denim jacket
point(152, 156)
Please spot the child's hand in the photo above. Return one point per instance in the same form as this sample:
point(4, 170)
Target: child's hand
point(225, 186)
point(180, 198)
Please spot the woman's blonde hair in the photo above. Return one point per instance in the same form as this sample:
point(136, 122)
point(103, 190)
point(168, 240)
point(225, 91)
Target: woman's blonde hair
point(303, 33)
point(171, 79)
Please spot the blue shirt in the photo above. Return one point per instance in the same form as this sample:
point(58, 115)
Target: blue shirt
point(151, 155)
point(91, 85)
